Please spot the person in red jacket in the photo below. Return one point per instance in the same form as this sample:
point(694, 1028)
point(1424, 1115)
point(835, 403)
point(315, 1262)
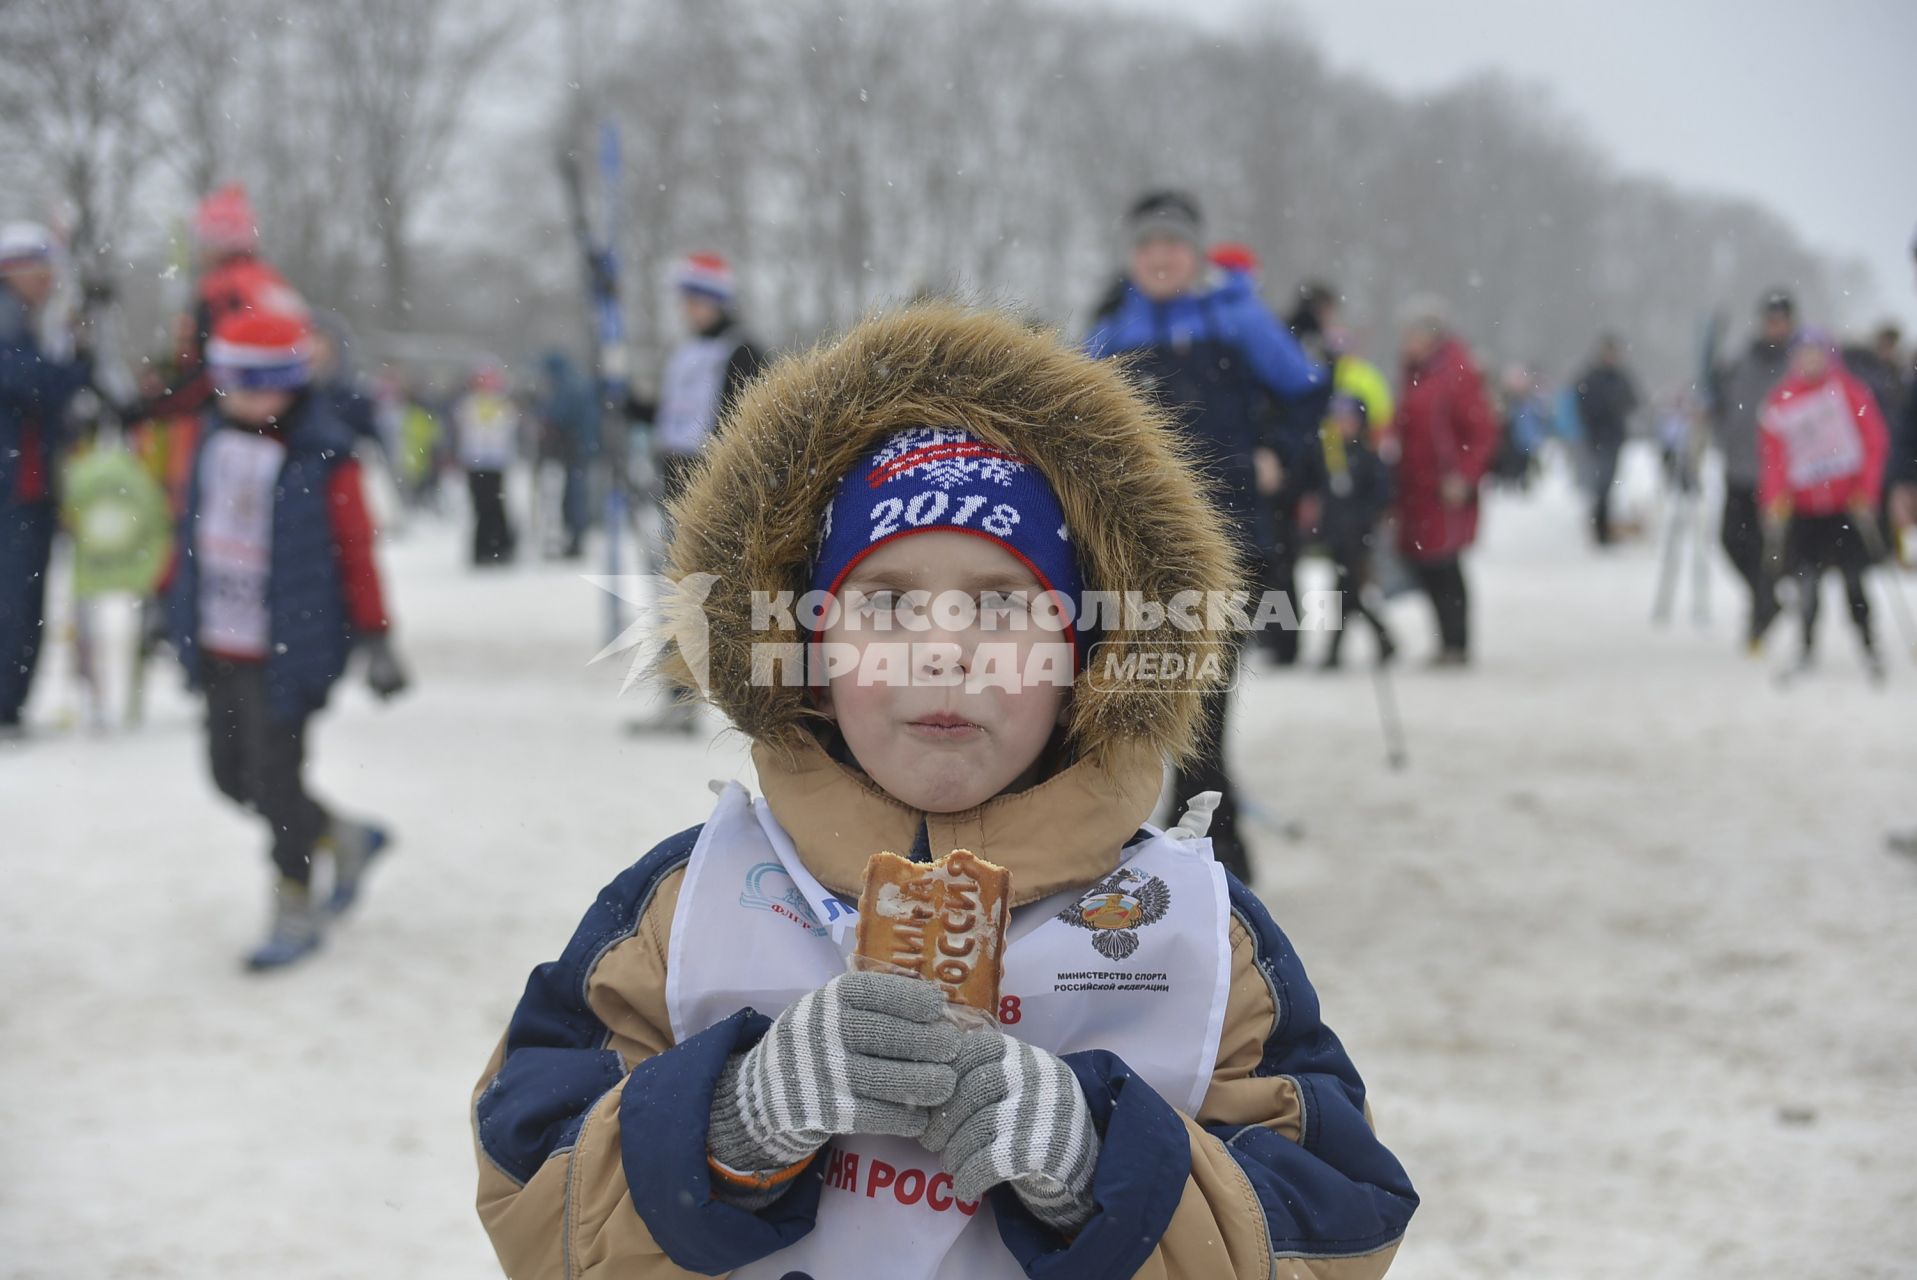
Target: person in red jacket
point(1447, 436)
point(234, 278)
point(1821, 446)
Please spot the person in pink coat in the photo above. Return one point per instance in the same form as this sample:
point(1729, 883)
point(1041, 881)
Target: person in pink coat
point(1448, 436)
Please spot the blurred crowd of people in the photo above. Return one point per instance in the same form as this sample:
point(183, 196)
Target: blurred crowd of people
point(1311, 446)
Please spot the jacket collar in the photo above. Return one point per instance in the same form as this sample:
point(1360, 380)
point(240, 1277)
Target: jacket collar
point(1063, 833)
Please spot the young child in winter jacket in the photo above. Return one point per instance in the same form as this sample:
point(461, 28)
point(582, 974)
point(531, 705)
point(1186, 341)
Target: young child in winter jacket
point(1821, 445)
point(1357, 494)
point(272, 585)
point(699, 1084)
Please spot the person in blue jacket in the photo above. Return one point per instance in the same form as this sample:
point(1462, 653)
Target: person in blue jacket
point(1213, 351)
point(35, 389)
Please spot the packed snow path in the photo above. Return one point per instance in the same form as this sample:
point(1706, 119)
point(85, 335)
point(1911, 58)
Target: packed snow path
point(1622, 955)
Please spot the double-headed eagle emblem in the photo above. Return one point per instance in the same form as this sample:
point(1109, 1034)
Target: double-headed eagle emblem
point(1116, 908)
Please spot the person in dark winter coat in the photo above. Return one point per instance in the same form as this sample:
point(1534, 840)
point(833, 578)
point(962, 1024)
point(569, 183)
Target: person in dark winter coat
point(1448, 437)
point(571, 413)
point(273, 585)
point(1214, 352)
point(337, 379)
point(1357, 493)
point(1210, 346)
point(1607, 397)
point(1881, 367)
point(1902, 470)
point(1523, 427)
point(1284, 488)
point(1313, 323)
point(1737, 398)
point(35, 388)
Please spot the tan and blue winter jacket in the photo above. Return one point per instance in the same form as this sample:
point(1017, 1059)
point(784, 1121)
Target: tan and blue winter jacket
point(591, 1122)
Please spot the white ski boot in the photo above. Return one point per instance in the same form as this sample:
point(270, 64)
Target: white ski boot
point(295, 931)
point(354, 845)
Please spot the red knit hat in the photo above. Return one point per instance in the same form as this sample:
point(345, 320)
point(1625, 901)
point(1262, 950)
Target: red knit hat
point(224, 221)
point(259, 351)
point(706, 273)
point(1230, 256)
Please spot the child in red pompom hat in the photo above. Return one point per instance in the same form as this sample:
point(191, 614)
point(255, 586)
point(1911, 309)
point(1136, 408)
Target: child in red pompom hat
point(274, 587)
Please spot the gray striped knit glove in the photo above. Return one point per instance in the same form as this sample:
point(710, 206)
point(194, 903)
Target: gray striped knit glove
point(865, 1053)
point(1017, 1116)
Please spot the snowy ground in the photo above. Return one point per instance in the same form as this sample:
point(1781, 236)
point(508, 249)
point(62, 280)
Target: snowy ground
point(1622, 955)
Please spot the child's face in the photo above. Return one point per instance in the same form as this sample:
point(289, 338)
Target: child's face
point(1164, 266)
point(1810, 361)
point(1350, 427)
point(700, 312)
point(937, 737)
point(255, 408)
point(33, 281)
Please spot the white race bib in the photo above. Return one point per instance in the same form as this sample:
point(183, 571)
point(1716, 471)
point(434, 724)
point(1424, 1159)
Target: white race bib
point(488, 427)
point(689, 397)
point(1820, 437)
point(233, 542)
point(1138, 964)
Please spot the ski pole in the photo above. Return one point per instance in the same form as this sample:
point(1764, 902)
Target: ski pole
point(1670, 562)
point(1395, 754)
point(1701, 564)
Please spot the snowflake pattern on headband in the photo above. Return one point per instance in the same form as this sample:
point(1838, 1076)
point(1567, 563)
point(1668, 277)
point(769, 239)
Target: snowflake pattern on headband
point(944, 456)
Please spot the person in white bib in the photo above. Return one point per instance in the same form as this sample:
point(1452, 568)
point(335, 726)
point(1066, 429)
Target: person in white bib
point(702, 376)
point(1822, 445)
point(272, 586)
point(704, 373)
point(911, 539)
point(486, 426)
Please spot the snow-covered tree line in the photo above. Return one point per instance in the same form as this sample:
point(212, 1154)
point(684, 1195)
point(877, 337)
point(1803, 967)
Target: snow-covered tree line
point(404, 159)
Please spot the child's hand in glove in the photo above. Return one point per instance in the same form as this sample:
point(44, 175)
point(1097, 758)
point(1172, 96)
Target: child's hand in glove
point(384, 676)
point(1017, 1116)
point(865, 1053)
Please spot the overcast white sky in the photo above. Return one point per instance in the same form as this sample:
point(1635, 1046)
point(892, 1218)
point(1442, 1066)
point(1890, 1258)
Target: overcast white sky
point(1808, 105)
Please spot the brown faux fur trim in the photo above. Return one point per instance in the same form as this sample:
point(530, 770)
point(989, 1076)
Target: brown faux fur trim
point(1126, 480)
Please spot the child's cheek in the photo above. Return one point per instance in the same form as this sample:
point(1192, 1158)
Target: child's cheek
point(860, 704)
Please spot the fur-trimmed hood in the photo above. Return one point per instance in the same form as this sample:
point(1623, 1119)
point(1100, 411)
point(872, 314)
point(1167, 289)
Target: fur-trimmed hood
point(1126, 480)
